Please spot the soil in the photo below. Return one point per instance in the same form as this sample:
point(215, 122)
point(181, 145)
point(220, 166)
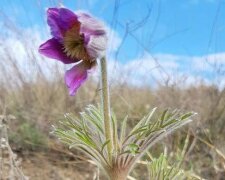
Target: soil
point(54, 166)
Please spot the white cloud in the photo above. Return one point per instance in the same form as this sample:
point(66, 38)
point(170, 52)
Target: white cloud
point(19, 56)
point(114, 40)
point(184, 70)
point(145, 70)
point(22, 48)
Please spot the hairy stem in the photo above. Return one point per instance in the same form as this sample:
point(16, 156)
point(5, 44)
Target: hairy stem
point(118, 174)
point(106, 106)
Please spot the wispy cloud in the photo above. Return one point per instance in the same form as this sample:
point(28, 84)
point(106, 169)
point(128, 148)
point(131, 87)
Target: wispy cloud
point(146, 70)
point(114, 40)
point(21, 49)
point(170, 68)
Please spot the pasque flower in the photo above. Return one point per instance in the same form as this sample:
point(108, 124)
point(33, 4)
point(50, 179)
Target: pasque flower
point(77, 38)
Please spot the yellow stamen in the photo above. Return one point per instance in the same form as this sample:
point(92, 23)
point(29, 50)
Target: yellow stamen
point(74, 44)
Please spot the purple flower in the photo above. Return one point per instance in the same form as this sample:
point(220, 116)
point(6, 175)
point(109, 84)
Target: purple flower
point(77, 38)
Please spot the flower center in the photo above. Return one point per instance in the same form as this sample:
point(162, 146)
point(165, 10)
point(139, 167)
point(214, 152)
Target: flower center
point(74, 45)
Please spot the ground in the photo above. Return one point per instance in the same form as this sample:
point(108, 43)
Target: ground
point(51, 166)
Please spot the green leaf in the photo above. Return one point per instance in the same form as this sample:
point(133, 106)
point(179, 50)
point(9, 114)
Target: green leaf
point(161, 169)
point(115, 133)
point(133, 148)
point(104, 144)
point(163, 117)
point(149, 116)
point(123, 129)
point(187, 115)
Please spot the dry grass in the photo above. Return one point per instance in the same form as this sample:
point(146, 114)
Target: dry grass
point(43, 101)
point(9, 164)
point(34, 92)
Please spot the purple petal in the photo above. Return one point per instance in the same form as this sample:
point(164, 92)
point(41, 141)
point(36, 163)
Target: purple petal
point(53, 22)
point(96, 46)
point(94, 34)
point(67, 18)
point(53, 49)
point(60, 20)
point(89, 25)
point(76, 76)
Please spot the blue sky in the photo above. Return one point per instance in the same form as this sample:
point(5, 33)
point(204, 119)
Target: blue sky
point(180, 28)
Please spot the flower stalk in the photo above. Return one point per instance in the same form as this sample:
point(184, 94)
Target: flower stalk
point(80, 39)
point(106, 107)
